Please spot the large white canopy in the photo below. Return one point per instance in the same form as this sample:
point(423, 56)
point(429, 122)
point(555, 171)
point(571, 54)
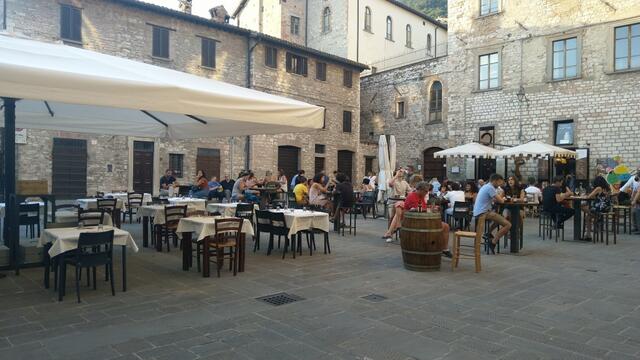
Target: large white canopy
point(470, 150)
point(384, 166)
point(536, 149)
point(68, 88)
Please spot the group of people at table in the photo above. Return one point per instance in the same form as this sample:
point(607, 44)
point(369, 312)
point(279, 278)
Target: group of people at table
point(409, 192)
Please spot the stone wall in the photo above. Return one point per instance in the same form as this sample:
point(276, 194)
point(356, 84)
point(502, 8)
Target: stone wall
point(124, 31)
point(334, 41)
point(415, 132)
point(289, 9)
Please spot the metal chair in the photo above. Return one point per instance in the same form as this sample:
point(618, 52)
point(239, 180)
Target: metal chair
point(29, 217)
point(367, 203)
point(462, 214)
point(263, 224)
point(279, 228)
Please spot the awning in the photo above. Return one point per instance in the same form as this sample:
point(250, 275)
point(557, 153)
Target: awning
point(470, 150)
point(536, 149)
point(67, 88)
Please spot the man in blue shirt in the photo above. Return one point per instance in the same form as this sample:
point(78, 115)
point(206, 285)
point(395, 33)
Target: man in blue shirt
point(294, 179)
point(484, 206)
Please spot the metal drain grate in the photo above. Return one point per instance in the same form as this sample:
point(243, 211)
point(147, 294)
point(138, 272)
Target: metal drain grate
point(375, 298)
point(279, 299)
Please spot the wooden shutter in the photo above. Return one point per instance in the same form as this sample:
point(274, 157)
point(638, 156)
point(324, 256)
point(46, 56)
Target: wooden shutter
point(208, 160)
point(289, 160)
point(76, 24)
point(345, 162)
point(319, 165)
point(208, 53)
point(346, 121)
point(69, 167)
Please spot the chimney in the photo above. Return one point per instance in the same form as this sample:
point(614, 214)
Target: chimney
point(219, 14)
point(185, 6)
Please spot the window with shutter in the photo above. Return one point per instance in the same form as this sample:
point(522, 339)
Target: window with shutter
point(346, 121)
point(296, 64)
point(208, 53)
point(160, 46)
point(70, 23)
point(271, 57)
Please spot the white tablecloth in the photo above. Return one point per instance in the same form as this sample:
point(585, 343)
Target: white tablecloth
point(157, 211)
point(299, 220)
point(204, 226)
point(66, 239)
point(226, 209)
point(93, 204)
point(124, 197)
point(192, 203)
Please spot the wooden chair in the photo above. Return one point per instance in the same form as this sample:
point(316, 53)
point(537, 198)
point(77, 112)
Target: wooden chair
point(109, 207)
point(263, 224)
point(30, 218)
point(226, 238)
point(90, 217)
point(94, 249)
point(626, 211)
point(68, 212)
point(52, 263)
point(477, 245)
point(167, 231)
point(279, 228)
point(134, 202)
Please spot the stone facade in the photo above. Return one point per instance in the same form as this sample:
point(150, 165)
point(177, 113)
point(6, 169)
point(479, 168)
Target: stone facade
point(124, 28)
point(604, 104)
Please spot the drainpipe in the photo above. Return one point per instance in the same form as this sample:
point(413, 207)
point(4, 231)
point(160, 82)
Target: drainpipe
point(250, 48)
point(435, 43)
point(306, 23)
point(358, 32)
point(4, 14)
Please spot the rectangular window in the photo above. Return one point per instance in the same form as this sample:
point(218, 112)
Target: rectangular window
point(564, 131)
point(208, 53)
point(296, 64)
point(320, 149)
point(489, 72)
point(70, 23)
point(565, 59)
point(400, 109)
point(321, 71)
point(69, 167)
point(346, 121)
point(489, 7)
point(160, 46)
point(627, 47)
point(176, 163)
point(295, 25)
point(347, 78)
point(319, 165)
point(271, 57)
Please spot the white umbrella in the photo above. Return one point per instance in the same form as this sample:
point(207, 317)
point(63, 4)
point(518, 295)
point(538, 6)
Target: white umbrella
point(536, 149)
point(470, 150)
point(392, 153)
point(384, 173)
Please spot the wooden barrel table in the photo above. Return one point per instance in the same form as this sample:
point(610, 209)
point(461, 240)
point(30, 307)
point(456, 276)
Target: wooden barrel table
point(420, 240)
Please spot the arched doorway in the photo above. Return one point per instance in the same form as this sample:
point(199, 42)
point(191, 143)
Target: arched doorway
point(433, 167)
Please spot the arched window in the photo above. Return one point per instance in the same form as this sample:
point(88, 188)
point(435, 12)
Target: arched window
point(429, 44)
point(435, 102)
point(367, 19)
point(408, 42)
point(326, 20)
point(389, 35)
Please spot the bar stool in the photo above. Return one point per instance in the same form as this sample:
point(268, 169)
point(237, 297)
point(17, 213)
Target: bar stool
point(477, 244)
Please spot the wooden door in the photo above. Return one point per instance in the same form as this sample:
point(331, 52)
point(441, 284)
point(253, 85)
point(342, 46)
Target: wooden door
point(208, 160)
point(289, 160)
point(143, 166)
point(433, 167)
point(345, 163)
point(69, 168)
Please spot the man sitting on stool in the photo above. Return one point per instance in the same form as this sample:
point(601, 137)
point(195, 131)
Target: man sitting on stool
point(552, 198)
point(484, 205)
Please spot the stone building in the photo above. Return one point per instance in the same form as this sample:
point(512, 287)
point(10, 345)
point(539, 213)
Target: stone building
point(567, 76)
point(177, 40)
point(380, 33)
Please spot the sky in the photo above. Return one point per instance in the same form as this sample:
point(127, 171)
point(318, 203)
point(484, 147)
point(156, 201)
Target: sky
point(200, 7)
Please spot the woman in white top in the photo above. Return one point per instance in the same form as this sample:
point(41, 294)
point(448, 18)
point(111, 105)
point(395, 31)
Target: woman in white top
point(317, 194)
point(453, 196)
point(282, 180)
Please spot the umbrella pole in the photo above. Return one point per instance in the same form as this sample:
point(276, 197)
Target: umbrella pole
point(11, 213)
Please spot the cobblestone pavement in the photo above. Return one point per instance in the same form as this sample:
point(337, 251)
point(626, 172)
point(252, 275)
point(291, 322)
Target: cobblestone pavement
point(563, 300)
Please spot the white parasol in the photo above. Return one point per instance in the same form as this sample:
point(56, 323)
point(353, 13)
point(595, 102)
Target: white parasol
point(536, 149)
point(470, 150)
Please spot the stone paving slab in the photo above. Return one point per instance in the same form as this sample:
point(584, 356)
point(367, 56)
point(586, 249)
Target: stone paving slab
point(565, 300)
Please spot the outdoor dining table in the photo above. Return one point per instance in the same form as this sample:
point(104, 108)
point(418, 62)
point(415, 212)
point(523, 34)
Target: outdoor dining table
point(63, 240)
point(203, 227)
point(156, 212)
point(92, 203)
point(226, 209)
point(300, 220)
point(193, 203)
point(514, 208)
point(124, 197)
point(577, 215)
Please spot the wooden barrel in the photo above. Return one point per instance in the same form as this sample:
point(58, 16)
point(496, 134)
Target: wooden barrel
point(420, 240)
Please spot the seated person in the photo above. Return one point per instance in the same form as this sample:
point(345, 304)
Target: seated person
point(318, 194)
point(453, 196)
point(227, 187)
point(201, 187)
point(215, 189)
point(484, 206)
point(533, 191)
point(470, 191)
point(513, 190)
point(237, 193)
point(552, 198)
point(166, 182)
point(301, 191)
point(366, 185)
point(602, 203)
point(344, 191)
